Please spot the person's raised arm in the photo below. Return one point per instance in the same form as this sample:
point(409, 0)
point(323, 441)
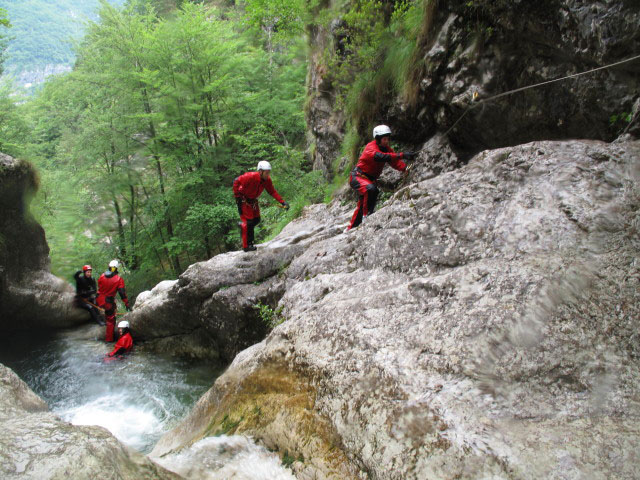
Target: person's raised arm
point(123, 295)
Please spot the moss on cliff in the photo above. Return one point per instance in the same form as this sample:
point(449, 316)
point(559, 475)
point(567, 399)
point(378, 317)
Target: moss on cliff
point(276, 406)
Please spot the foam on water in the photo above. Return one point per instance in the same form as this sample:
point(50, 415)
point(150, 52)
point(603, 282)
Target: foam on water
point(137, 398)
point(132, 424)
point(225, 458)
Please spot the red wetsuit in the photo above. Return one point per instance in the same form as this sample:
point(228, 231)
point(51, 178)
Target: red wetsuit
point(363, 178)
point(247, 188)
point(123, 345)
point(109, 284)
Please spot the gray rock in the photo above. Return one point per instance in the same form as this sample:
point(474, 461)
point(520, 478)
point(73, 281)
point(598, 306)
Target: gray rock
point(481, 324)
point(35, 444)
point(30, 296)
point(218, 301)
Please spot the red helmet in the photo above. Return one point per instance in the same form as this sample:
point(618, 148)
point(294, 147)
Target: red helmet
point(86, 267)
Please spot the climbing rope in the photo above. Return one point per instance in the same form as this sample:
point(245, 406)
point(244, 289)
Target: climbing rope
point(510, 92)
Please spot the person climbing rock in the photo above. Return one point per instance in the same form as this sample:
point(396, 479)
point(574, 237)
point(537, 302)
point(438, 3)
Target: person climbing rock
point(364, 177)
point(125, 341)
point(109, 284)
point(246, 189)
point(86, 293)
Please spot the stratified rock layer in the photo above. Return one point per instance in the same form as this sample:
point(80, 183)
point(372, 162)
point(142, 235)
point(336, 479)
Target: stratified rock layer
point(481, 323)
point(35, 444)
point(30, 296)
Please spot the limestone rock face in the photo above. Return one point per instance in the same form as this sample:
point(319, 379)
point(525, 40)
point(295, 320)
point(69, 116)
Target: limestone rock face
point(488, 48)
point(30, 296)
point(481, 324)
point(35, 444)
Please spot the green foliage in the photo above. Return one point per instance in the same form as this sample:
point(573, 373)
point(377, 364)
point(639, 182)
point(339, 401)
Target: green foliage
point(618, 119)
point(375, 57)
point(287, 460)
point(227, 425)
point(270, 317)
point(279, 19)
point(12, 126)
point(4, 23)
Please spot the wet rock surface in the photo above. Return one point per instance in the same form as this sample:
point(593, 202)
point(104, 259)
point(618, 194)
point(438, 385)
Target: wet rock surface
point(30, 296)
point(481, 323)
point(36, 444)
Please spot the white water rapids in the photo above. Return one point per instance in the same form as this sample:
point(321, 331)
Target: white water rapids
point(138, 399)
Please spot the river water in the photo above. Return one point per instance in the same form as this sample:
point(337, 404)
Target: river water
point(137, 398)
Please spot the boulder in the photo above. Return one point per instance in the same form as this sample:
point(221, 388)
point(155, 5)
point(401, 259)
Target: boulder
point(480, 324)
point(30, 296)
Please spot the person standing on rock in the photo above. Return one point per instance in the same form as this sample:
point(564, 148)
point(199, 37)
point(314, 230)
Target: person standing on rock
point(364, 177)
point(86, 293)
point(109, 284)
point(246, 189)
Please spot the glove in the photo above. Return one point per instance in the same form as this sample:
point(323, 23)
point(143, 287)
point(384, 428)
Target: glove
point(239, 202)
point(409, 155)
point(285, 205)
point(128, 308)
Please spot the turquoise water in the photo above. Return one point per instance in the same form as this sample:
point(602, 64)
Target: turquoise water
point(138, 398)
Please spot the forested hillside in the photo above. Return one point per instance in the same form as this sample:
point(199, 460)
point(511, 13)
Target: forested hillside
point(138, 146)
point(43, 35)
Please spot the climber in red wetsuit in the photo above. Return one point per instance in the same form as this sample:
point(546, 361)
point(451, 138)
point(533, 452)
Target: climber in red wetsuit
point(247, 188)
point(364, 177)
point(124, 343)
point(109, 284)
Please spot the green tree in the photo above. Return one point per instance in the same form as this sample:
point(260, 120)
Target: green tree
point(4, 24)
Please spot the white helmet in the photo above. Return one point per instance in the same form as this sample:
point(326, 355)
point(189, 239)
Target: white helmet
point(114, 264)
point(381, 130)
point(263, 165)
point(123, 324)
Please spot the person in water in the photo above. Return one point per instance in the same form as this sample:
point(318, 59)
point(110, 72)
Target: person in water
point(109, 284)
point(86, 293)
point(124, 343)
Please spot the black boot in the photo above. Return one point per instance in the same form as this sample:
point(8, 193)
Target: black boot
point(250, 248)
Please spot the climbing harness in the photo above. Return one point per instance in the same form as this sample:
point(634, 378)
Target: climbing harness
point(93, 305)
point(100, 309)
point(477, 103)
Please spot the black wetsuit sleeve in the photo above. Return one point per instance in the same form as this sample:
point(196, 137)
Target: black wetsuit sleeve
point(382, 157)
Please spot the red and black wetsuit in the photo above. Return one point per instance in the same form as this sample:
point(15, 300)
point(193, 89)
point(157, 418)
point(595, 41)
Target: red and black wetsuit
point(123, 345)
point(363, 178)
point(247, 188)
point(85, 292)
point(108, 284)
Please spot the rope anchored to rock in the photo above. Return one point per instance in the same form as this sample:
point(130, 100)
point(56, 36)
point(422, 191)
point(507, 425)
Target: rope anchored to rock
point(477, 102)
